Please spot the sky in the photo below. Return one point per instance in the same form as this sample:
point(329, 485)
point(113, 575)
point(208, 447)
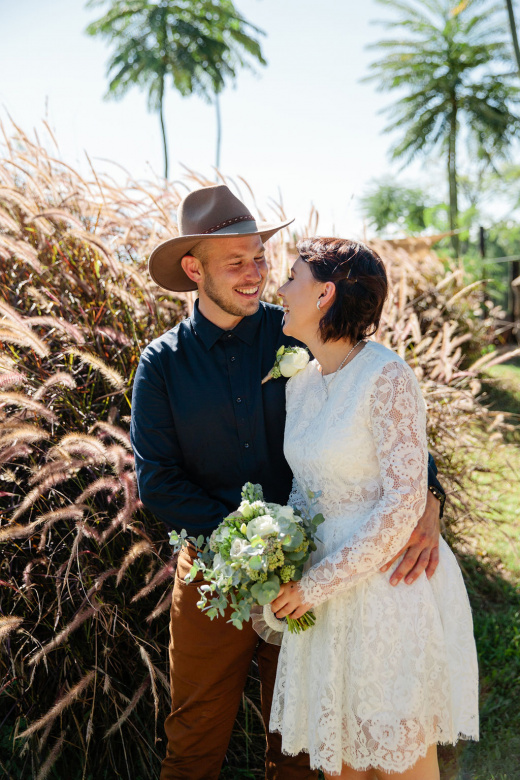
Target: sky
point(303, 130)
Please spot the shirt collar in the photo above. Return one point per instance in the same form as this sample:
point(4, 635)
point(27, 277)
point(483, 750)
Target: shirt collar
point(210, 333)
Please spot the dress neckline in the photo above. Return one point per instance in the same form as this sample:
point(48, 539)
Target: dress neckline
point(327, 378)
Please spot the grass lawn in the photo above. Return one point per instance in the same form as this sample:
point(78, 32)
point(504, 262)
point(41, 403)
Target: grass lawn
point(492, 568)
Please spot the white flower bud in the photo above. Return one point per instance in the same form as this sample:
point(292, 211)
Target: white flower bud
point(292, 362)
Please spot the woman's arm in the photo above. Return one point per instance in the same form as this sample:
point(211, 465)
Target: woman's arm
point(398, 421)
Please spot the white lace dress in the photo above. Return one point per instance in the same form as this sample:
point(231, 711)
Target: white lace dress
point(386, 671)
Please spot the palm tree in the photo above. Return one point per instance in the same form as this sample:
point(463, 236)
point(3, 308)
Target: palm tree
point(240, 49)
point(199, 44)
point(445, 59)
point(514, 36)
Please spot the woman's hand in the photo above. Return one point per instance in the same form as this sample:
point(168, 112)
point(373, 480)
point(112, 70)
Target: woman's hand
point(289, 602)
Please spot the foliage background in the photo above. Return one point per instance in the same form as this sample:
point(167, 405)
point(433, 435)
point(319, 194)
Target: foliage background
point(85, 571)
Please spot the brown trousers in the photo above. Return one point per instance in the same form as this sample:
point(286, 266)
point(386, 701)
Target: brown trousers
point(209, 663)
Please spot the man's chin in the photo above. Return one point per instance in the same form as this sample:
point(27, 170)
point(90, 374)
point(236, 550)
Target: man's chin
point(247, 308)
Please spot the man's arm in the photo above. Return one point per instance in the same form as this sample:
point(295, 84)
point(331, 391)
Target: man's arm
point(164, 487)
point(422, 549)
point(434, 485)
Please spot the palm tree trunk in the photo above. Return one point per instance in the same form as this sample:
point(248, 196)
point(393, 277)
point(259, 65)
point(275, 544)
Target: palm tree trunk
point(514, 36)
point(452, 176)
point(219, 130)
point(163, 129)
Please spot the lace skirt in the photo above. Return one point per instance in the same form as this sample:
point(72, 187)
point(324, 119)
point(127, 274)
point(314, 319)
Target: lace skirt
point(385, 673)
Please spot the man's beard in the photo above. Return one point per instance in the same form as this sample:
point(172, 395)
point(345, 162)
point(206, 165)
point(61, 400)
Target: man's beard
point(230, 307)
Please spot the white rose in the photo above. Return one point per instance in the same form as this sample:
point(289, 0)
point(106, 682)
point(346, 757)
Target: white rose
point(222, 534)
point(237, 548)
point(285, 512)
point(262, 526)
point(292, 362)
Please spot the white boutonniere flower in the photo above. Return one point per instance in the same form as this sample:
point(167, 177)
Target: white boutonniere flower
point(289, 360)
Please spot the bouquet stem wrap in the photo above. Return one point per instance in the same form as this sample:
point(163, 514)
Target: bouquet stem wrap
point(294, 626)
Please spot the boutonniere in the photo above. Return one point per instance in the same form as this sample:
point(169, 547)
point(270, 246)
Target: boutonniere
point(289, 360)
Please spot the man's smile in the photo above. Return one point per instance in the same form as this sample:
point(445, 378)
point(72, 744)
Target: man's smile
point(248, 292)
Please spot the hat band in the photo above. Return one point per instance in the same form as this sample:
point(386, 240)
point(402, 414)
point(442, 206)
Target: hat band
point(244, 224)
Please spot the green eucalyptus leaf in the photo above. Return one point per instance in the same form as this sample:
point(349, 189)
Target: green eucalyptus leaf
point(297, 556)
point(318, 520)
point(292, 541)
point(264, 597)
point(256, 591)
point(256, 563)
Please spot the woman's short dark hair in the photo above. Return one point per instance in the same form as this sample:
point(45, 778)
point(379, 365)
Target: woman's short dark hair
point(361, 285)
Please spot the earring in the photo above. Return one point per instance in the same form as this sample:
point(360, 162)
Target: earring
point(318, 303)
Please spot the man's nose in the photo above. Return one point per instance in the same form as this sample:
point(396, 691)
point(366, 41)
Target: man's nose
point(254, 271)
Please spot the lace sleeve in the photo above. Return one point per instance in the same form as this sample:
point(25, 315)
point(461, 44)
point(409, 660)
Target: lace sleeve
point(296, 498)
point(398, 423)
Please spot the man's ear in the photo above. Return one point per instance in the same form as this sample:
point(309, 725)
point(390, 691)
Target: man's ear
point(192, 267)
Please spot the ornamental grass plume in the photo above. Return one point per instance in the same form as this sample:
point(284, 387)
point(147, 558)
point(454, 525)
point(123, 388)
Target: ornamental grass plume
point(76, 309)
point(86, 572)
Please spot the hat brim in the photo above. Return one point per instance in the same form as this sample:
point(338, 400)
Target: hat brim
point(165, 261)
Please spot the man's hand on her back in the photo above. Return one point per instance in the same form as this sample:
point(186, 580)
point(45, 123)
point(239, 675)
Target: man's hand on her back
point(422, 549)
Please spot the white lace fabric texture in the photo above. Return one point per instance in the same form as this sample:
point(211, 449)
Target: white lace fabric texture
point(385, 672)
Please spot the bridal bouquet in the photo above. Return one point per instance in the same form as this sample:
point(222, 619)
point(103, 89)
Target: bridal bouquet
point(252, 552)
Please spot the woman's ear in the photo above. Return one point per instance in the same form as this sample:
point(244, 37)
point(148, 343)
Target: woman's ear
point(192, 268)
point(328, 294)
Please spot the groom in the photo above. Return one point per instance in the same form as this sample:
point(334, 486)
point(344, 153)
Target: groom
point(202, 426)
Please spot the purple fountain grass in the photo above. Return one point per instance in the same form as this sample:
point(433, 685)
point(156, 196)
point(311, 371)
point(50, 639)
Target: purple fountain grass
point(139, 548)
point(87, 572)
point(163, 575)
point(12, 379)
point(8, 625)
point(62, 704)
point(102, 483)
point(52, 757)
point(13, 452)
point(56, 322)
point(138, 695)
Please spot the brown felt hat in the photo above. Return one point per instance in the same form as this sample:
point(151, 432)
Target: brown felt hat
point(209, 212)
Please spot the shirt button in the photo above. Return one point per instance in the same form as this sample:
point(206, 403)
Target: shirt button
point(239, 400)
point(246, 445)
point(229, 336)
point(233, 358)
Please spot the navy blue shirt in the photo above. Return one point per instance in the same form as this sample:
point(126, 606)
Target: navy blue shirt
point(203, 424)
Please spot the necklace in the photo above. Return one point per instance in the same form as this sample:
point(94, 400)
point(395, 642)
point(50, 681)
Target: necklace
point(327, 386)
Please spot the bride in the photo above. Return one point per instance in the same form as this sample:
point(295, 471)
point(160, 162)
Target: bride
point(386, 673)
